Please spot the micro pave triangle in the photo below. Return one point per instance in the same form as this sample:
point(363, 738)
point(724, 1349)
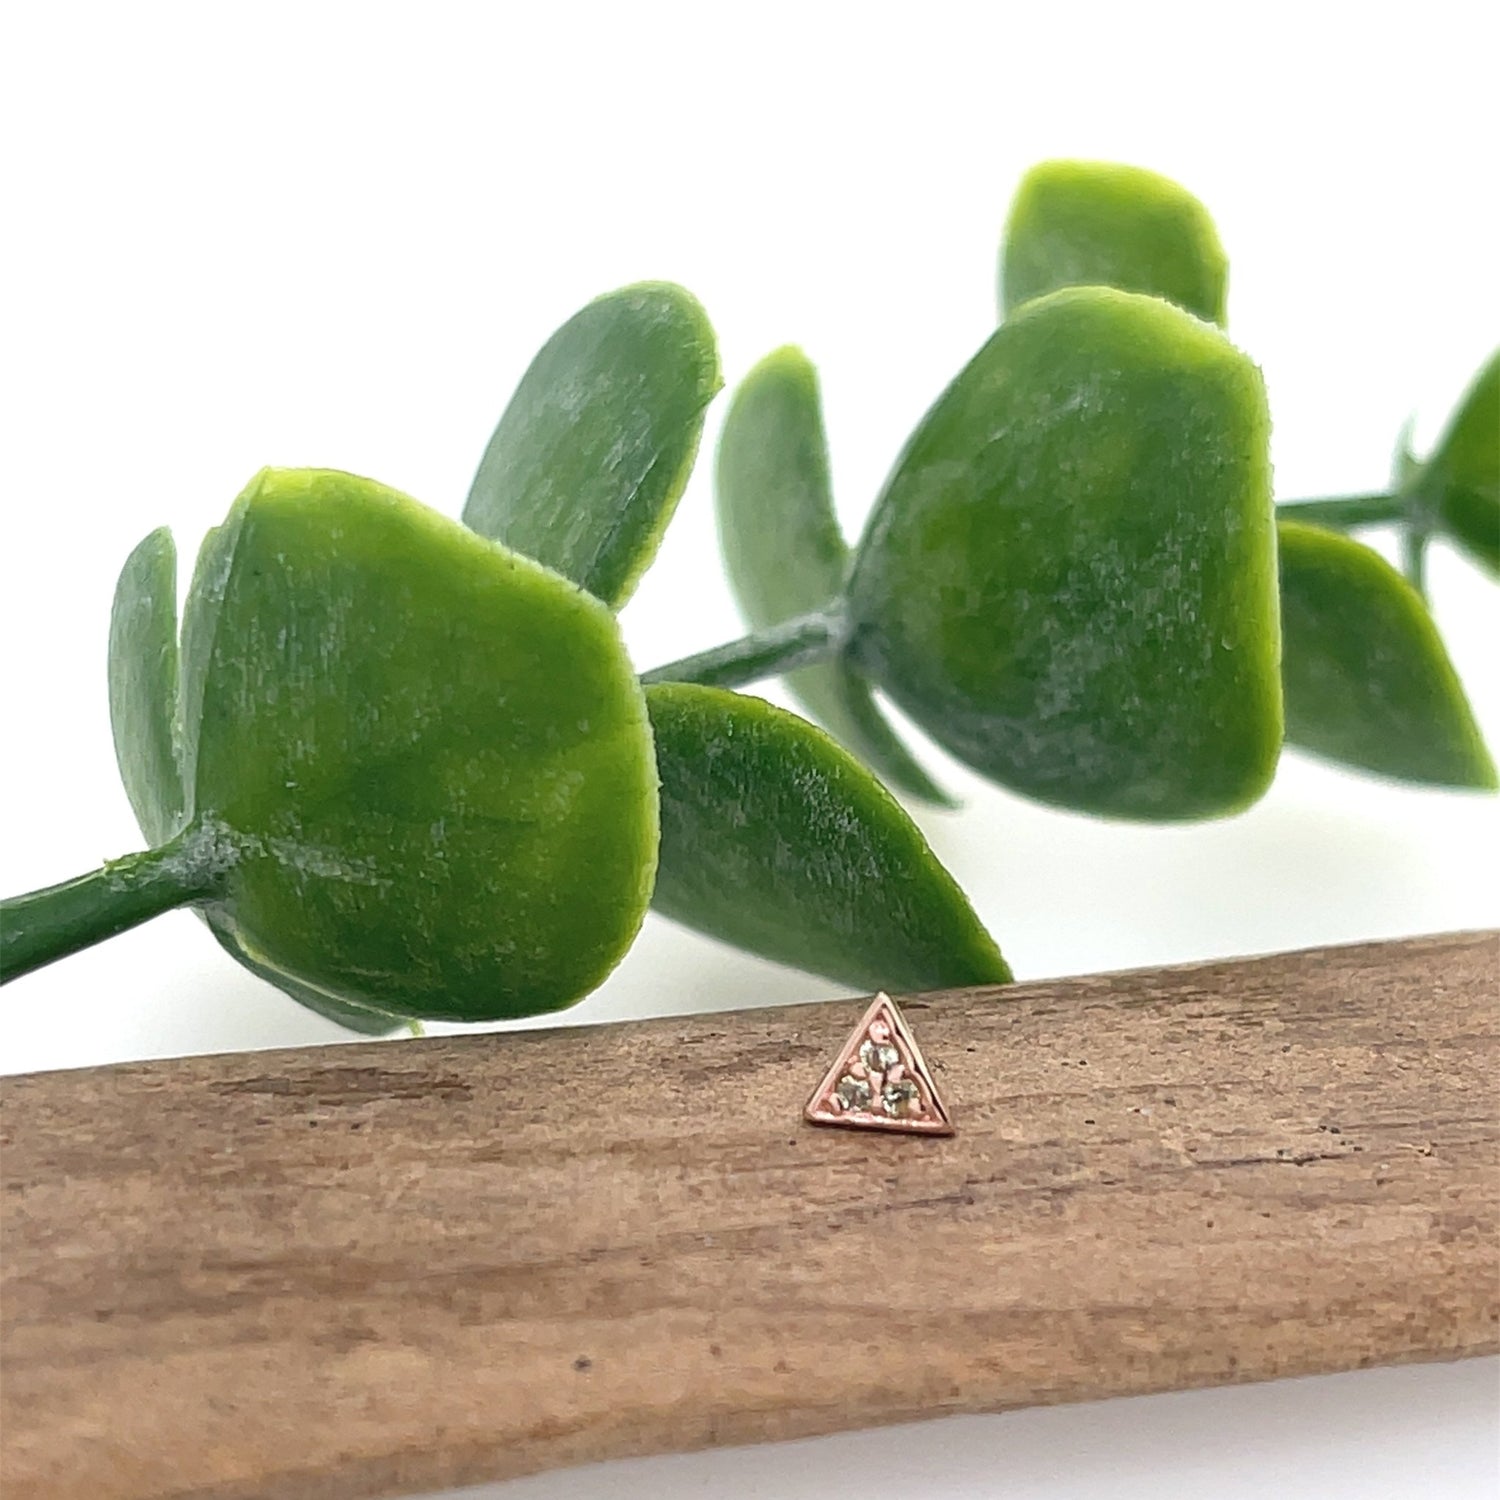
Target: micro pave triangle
point(879, 1081)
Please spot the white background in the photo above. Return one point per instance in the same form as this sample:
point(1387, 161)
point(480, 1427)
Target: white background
point(334, 235)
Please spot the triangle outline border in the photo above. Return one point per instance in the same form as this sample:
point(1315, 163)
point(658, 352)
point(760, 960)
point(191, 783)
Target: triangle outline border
point(882, 1006)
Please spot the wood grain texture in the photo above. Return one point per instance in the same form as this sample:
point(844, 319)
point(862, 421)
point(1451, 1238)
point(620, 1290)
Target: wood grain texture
point(396, 1266)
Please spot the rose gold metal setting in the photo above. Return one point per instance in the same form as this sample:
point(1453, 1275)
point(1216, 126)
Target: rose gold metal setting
point(880, 1081)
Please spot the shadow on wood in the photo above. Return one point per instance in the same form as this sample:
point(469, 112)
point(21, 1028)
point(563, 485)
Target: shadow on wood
point(398, 1266)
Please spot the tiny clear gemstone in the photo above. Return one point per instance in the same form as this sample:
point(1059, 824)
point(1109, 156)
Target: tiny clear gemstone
point(901, 1098)
point(852, 1092)
point(879, 1057)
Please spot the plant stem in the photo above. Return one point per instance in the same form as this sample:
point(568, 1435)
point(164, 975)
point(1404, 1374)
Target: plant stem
point(1347, 510)
point(45, 925)
point(766, 653)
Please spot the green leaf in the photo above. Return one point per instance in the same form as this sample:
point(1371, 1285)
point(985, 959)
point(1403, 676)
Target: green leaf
point(1461, 480)
point(785, 554)
point(775, 839)
point(1070, 578)
point(782, 545)
point(1085, 223)
point(143, 685)
point(842, 702)
point(1368, 681)
point(588, 462)
point(1472, 519)
point(341, 1012)
point(421, 763)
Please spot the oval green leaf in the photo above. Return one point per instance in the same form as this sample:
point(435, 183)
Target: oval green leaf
point(785, 554)
point(1070, 578)
point(1086, 223)
point(1368, 680)
point(143, 685)
point(1461, 481)
point(426, 761)
point(775, 839)
point(593, 452)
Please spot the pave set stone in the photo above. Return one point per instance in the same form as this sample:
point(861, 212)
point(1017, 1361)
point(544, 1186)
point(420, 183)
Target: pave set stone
point(852, 1092)
point(900, 1098)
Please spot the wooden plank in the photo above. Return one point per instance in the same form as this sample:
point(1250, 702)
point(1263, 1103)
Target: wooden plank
point(391, 1267)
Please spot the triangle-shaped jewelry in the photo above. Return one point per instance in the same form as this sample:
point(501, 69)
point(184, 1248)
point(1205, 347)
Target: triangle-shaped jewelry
point(879, 1080)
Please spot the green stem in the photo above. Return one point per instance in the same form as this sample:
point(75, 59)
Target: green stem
point(1347, 510)
point(766, 653)
point(49, 924)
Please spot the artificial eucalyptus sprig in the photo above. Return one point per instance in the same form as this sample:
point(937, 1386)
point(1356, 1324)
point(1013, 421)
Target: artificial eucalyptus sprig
point(404, 768)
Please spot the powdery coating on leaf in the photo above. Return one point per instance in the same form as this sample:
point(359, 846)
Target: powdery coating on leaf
point(1081, 223)
point(783, 549)
point(595, 448)
point(143, 687)
point(776, 840)
point(433, 756)
point(1069, 580)
point(1368, 680)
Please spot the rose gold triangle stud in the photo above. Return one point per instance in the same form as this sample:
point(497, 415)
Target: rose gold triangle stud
point(879, 1080)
